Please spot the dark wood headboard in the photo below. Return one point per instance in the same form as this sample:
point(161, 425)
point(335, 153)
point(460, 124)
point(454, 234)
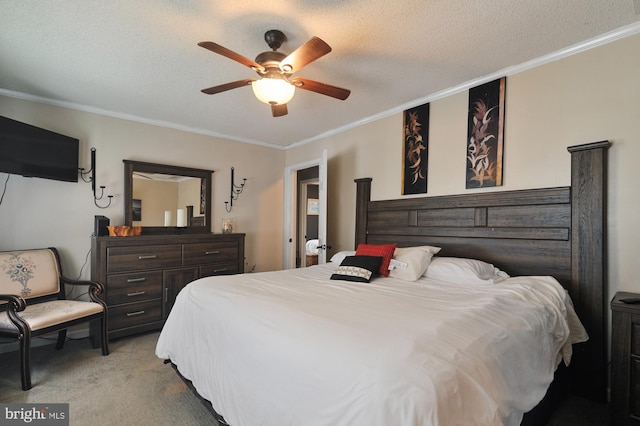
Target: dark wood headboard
point(551, 231)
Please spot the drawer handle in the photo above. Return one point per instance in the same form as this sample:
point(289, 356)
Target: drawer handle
point(149, 256)
point(212, 252)
point(220, 270)
point(133, 314)
point(136, 280)
point(136, 293)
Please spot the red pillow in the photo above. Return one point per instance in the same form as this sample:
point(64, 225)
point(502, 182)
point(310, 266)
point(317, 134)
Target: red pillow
point(383, 250)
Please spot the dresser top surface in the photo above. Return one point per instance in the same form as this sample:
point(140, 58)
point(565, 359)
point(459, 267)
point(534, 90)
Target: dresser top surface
point(166, 239)
point(617, 305)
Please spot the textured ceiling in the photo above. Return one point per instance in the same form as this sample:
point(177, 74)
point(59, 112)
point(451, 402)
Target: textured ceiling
point(140, 59)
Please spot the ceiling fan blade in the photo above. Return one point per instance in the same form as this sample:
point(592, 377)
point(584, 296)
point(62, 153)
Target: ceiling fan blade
point(227, 86)
point(279, 110)
point(220, 50)
point(305, 54)
point(322, 88)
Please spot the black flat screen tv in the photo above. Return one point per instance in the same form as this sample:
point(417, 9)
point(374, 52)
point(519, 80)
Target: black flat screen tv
point(34, 152)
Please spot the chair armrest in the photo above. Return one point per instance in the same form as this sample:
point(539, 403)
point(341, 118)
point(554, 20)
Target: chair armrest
point(16, 303)
point(95, 288)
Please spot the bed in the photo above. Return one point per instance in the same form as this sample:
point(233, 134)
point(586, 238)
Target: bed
point(293, 347)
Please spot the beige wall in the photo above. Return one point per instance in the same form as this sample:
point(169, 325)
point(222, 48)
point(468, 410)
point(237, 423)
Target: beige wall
point(591, 96)
point(588, 97)
point(39, 212)
point(156, 197)
point(189, 195)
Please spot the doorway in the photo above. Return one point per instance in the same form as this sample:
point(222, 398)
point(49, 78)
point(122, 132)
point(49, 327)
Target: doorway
point(305, 213)
point(307, 217)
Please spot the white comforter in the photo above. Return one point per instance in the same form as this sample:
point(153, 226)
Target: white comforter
point(294, 348)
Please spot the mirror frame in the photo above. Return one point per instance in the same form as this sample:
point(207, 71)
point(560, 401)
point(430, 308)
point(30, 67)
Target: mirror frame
point(139, 166)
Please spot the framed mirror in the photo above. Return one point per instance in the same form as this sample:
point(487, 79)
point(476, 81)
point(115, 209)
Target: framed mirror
point(166, 199)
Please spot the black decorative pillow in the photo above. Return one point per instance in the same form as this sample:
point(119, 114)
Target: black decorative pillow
point(357, 268)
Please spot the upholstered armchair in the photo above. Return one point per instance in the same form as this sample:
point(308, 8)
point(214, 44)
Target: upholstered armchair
point(33, 303)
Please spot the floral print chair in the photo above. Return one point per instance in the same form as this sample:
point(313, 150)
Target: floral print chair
point(32, 302)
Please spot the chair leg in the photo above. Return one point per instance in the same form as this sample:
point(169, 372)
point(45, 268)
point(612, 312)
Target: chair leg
point(62, 336)
point(105, 335)
point(25, 360)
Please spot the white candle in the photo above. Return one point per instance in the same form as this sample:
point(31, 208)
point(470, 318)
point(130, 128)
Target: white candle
point(167, 218)
point(181, 219)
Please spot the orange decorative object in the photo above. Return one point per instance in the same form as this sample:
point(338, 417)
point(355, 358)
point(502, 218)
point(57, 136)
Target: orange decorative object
point(124, 231)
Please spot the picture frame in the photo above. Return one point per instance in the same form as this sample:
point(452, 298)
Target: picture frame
point(136, 207)
point(313, 207)
point(415, 153)
point(485, 134)
point(203, 196)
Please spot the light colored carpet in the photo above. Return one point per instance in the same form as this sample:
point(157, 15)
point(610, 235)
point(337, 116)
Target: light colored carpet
point(131, 386)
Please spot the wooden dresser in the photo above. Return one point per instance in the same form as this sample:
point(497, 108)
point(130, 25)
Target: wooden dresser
point(625, 361)
point(143, 275)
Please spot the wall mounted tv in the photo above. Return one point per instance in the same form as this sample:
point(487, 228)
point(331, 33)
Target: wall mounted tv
point(34, 152)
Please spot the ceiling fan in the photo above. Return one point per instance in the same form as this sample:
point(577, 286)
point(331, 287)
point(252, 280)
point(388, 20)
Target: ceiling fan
point(276, 86)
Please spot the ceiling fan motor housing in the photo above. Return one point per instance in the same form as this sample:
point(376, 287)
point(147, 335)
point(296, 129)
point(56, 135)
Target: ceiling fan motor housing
point(270, 59)
point(275, 38)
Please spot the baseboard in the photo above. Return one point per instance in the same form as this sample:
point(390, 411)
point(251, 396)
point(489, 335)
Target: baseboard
point(10, 345)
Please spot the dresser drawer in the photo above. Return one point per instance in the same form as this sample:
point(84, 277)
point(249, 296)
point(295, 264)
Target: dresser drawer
point(134, 258)
point(219, 269)
point(133, 287)
point(134, 314)
point(199, 253)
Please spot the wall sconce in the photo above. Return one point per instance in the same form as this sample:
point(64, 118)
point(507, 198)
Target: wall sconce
point(236, 190)
point(92, 179)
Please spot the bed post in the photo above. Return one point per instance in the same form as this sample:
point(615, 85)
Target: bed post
point(588, 287)
point(363, 196)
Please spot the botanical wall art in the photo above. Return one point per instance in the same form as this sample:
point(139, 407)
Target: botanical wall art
point(485, 135)
point(416, 149)
point(203, 196)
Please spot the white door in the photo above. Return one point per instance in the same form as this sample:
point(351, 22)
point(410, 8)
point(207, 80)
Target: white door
point(290, 206)
point(322, 217)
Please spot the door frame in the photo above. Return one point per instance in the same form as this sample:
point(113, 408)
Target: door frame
point(290, 206)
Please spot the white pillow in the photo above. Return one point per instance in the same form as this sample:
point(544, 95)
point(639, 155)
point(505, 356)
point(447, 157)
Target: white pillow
point(464, 271)
point(409, 263)
point(393, 264)
point(339, 256)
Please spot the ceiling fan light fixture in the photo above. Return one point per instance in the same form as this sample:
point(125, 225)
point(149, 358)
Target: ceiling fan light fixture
point(273, 91)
